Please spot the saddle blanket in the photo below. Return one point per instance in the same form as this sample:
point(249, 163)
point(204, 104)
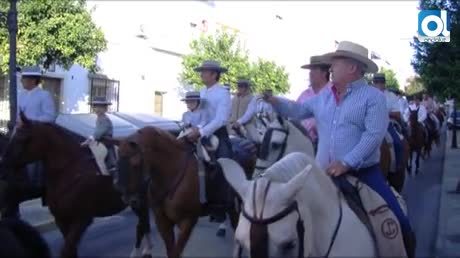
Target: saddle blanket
point(387, 231)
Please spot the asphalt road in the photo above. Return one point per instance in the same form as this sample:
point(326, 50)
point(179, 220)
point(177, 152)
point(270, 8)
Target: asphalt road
point(114, 236)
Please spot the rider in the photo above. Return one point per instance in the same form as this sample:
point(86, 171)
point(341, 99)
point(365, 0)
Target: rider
point(430, 108)
point(37, 105)
point(217, 107)
point(194, 116)
point(319, 80)
point(354, 121)
point(240, 103)
point(103, 132)
point(422, 113)
point(395, 117)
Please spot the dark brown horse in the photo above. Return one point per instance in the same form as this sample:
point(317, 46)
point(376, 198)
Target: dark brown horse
point(75, 191)
point(172, 171)
point(395, 178)
point(416, 140)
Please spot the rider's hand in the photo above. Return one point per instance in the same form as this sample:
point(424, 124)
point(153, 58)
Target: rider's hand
point(194, 135)
point(337, 168)
point(236, 124)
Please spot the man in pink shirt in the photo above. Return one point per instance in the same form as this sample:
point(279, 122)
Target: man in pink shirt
point(319, 79)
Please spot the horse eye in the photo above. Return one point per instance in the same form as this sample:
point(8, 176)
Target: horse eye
point(287, 246)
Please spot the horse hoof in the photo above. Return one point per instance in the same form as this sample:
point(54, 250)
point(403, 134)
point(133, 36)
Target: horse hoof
point(221, 232)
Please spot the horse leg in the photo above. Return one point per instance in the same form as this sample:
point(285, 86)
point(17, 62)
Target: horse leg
point(417, 162)
point(409, 163)
point(166, 228)
point(142, 233)
point(73, 237)
point(185, 230)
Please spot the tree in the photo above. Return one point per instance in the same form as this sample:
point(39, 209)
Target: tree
point(51, 31)
point(438, 64)
point(226, 48)
point(267, 75)
point(390, 78)
point(414, 85)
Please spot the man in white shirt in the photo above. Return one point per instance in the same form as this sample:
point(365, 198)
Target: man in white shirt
point(38, 105)
point(217, 105)
point(395, 117)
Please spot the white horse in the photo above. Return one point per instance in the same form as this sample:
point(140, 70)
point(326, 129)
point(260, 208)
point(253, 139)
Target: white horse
point(295, 192)
point(280, 137)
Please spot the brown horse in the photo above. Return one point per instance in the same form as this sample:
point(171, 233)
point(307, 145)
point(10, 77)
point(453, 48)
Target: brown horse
point(172, 171)
point(75, 193)
point(441, 115)
point(416, 140)
point(395, 178)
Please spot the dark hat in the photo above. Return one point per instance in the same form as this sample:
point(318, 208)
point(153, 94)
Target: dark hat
point(31, 71)
point(192, 95)
point(211, 65)
point(100, 101)
point(243, 83)
point(316, 61)
point(379, 77)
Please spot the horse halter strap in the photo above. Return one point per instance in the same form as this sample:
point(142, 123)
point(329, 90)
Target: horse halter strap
point(259, 230)
point(263, 151)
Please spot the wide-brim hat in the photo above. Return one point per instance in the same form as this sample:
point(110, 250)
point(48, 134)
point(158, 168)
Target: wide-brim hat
point(192, 95)
point(354, 51)
point(317, 61)
point(379, 77)
point(211, 65)
point(243, 82)
point(31, 71)
point(100, 101)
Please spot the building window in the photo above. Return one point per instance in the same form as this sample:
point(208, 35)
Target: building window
point(53, 85)
point(102, 86)
point(158, 103)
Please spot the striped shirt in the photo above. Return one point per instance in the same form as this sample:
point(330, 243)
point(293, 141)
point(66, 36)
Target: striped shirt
point(351, 129)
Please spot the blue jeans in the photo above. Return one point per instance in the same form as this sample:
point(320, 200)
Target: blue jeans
point(373, 177)
point(397, 143)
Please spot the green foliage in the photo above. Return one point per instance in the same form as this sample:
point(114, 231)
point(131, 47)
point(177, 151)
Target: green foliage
point(53, 31)
point(390, 78)
point(438, 64)
point(226, 48)
point(414, 85)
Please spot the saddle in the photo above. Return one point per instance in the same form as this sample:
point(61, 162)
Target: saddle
point(203, 148)
point(375, 214)
point(100, 154)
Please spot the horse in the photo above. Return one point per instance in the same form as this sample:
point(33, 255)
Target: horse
point(395, 176)
point(416, 140)
point(173, 187)
point(441, 114)
point(75, 193)
point(295, 210)
point(281, 137)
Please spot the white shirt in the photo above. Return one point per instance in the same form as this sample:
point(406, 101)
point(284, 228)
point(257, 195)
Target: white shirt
point(422, 113)
point(218, 107)
point(392, 101)
point(195, 118)
point(403, 105)
point(256, 105)
point(37, 104)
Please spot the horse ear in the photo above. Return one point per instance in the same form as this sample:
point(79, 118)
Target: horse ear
point(293, 186)
point(235, 176)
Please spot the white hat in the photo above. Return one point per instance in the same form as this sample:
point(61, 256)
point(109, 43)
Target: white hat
point(354, 51)
point(31, 71)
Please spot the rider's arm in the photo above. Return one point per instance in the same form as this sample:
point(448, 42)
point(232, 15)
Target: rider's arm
point(48, 108)
point(222, 115)
point(376, 124)
point(291, 109)
point(250, 112)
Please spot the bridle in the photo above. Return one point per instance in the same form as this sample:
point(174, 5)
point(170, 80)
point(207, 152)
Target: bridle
point(265, 146)
point(258, 227)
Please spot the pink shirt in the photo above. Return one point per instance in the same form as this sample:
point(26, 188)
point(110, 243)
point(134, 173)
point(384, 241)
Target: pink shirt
point(310, 124)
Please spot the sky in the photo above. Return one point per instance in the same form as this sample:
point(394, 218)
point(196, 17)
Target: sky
point(386, 27)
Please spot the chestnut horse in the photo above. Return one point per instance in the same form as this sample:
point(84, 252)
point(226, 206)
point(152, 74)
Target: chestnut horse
point(395, 178)
point(416, 140)
point(75, 193)
point(171, 169)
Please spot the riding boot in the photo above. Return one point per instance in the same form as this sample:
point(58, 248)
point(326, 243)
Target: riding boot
point(410, 243)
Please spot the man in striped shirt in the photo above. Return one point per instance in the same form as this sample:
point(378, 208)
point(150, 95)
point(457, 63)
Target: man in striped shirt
point(352, 120)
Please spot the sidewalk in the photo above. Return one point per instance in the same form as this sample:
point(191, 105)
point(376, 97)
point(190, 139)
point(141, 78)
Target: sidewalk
point(448, 239)
point(33, 212)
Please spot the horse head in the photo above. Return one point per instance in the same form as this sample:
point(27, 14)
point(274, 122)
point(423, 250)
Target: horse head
point(270, 224)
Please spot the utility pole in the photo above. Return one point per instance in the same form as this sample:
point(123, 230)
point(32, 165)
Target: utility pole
point(12, 23)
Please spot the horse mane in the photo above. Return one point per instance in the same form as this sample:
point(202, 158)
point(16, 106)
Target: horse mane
point(64, 132)
point(289, 166)
point(163, 139)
